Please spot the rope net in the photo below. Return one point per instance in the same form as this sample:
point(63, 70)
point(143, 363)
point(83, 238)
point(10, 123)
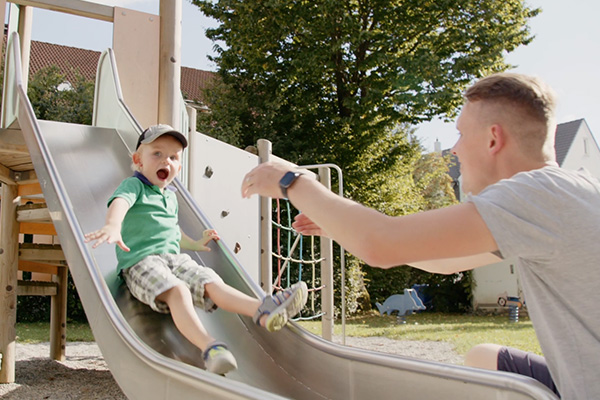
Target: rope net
point(296, 258)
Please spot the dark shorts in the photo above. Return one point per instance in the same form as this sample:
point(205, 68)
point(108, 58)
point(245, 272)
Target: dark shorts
point(528, 364)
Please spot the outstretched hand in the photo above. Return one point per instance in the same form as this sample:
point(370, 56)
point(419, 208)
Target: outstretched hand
point(109, 234)
point(305, 226)
point(264, 180)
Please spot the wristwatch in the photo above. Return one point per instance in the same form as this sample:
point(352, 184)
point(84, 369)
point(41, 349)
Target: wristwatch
point(288, 180)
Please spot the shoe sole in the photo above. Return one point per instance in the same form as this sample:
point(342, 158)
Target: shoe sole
point(223, 366)
point(289, 308)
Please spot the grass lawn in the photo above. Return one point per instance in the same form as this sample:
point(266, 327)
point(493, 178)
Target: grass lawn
point(38, 332)
point(463, 331)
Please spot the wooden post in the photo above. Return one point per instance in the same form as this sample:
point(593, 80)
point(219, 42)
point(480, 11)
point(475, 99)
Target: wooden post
point(58, 316)
point(3, 16)
point(25, 21)
point(326, 270)
point(9, 263)
point(169, 88)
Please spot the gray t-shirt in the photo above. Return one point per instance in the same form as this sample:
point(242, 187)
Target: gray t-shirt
point(549, 220)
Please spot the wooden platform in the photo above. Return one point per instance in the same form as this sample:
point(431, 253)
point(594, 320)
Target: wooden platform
point(24, 217)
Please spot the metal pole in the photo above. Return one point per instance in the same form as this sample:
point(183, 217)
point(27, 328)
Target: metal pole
point(342, 251)
point(326, 270)
point(266, 226)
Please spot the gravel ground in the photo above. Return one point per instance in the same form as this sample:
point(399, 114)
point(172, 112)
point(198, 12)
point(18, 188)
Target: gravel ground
point(84, 374)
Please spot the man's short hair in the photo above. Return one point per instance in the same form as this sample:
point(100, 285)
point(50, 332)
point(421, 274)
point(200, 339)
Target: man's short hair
point(535, 96)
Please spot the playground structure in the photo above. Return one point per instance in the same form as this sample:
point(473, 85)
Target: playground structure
point(76, 167)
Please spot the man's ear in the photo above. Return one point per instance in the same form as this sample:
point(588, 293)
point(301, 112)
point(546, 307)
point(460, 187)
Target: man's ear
point(497, 139)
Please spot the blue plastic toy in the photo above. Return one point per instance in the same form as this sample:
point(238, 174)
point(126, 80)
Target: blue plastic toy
point(405, 304)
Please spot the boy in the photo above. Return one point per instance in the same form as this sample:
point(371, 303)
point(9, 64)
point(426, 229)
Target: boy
point(520, 205)
point(142, 221)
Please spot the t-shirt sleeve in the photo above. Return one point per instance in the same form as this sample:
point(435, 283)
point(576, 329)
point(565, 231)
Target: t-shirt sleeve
point(129, 190)
point(520, 215)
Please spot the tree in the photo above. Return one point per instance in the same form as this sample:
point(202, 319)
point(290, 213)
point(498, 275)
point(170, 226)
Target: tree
point(342, 81)
point(314, 75)
point(55, 99)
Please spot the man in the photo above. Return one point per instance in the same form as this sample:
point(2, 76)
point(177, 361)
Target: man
point(520, 205)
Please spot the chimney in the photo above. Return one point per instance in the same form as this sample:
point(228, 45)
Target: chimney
point(437, 146)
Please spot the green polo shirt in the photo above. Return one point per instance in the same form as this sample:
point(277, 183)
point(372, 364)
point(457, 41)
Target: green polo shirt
point(150, 225)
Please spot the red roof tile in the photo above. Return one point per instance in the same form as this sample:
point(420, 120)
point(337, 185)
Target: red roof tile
point(69, 60)
point(85, 62)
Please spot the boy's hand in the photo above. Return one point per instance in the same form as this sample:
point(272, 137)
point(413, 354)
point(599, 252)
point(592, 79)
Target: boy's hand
point(108, 234)
point(207, 236)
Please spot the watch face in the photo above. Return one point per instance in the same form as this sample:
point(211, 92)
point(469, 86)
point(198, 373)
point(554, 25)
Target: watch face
point(288, 178)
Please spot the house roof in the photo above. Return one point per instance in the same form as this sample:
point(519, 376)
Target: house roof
point(72, 60)
point(194, 81)
point(565, 133)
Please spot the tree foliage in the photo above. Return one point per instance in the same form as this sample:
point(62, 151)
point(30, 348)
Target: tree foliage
point(55, 99)
point(322, 74)
point(343, 81)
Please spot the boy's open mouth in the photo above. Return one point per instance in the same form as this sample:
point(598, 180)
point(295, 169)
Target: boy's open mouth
point(162, 173)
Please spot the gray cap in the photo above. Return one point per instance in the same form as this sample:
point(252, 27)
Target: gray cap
point(156, 131)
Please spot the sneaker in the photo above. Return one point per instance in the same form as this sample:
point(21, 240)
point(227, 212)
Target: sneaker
point(282, 306)
point(218, 359)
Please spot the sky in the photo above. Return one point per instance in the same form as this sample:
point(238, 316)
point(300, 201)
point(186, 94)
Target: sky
point(564, 53)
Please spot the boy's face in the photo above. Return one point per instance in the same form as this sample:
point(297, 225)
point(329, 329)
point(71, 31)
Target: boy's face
point(159, 161)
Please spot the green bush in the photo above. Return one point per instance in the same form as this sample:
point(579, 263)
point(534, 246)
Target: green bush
point(448, 293)
point(37, 308)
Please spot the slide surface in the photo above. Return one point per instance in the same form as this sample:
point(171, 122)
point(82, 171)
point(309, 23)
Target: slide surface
point(78, 168)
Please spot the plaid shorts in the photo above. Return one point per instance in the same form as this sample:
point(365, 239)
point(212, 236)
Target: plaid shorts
point(156, 274)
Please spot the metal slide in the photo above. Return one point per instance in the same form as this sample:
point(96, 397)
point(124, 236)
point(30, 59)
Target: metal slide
point(78, 168)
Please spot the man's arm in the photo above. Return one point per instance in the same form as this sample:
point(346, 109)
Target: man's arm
point(380, 240)
point(452, 265)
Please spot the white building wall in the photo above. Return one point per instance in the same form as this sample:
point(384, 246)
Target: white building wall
point(493, 281)
point(583, 152)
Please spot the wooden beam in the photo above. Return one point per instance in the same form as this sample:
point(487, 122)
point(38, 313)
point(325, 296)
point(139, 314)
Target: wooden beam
point(74, 7)
point(34, 213)
point(41, 253)
point(32, 266)
point(29, 189)
point(6, 175)
point(58, 316)
point(13, 148)
point(36, 228)
point(25, 177)
point(37, 288)
point(9, 244)
point(11, 177)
